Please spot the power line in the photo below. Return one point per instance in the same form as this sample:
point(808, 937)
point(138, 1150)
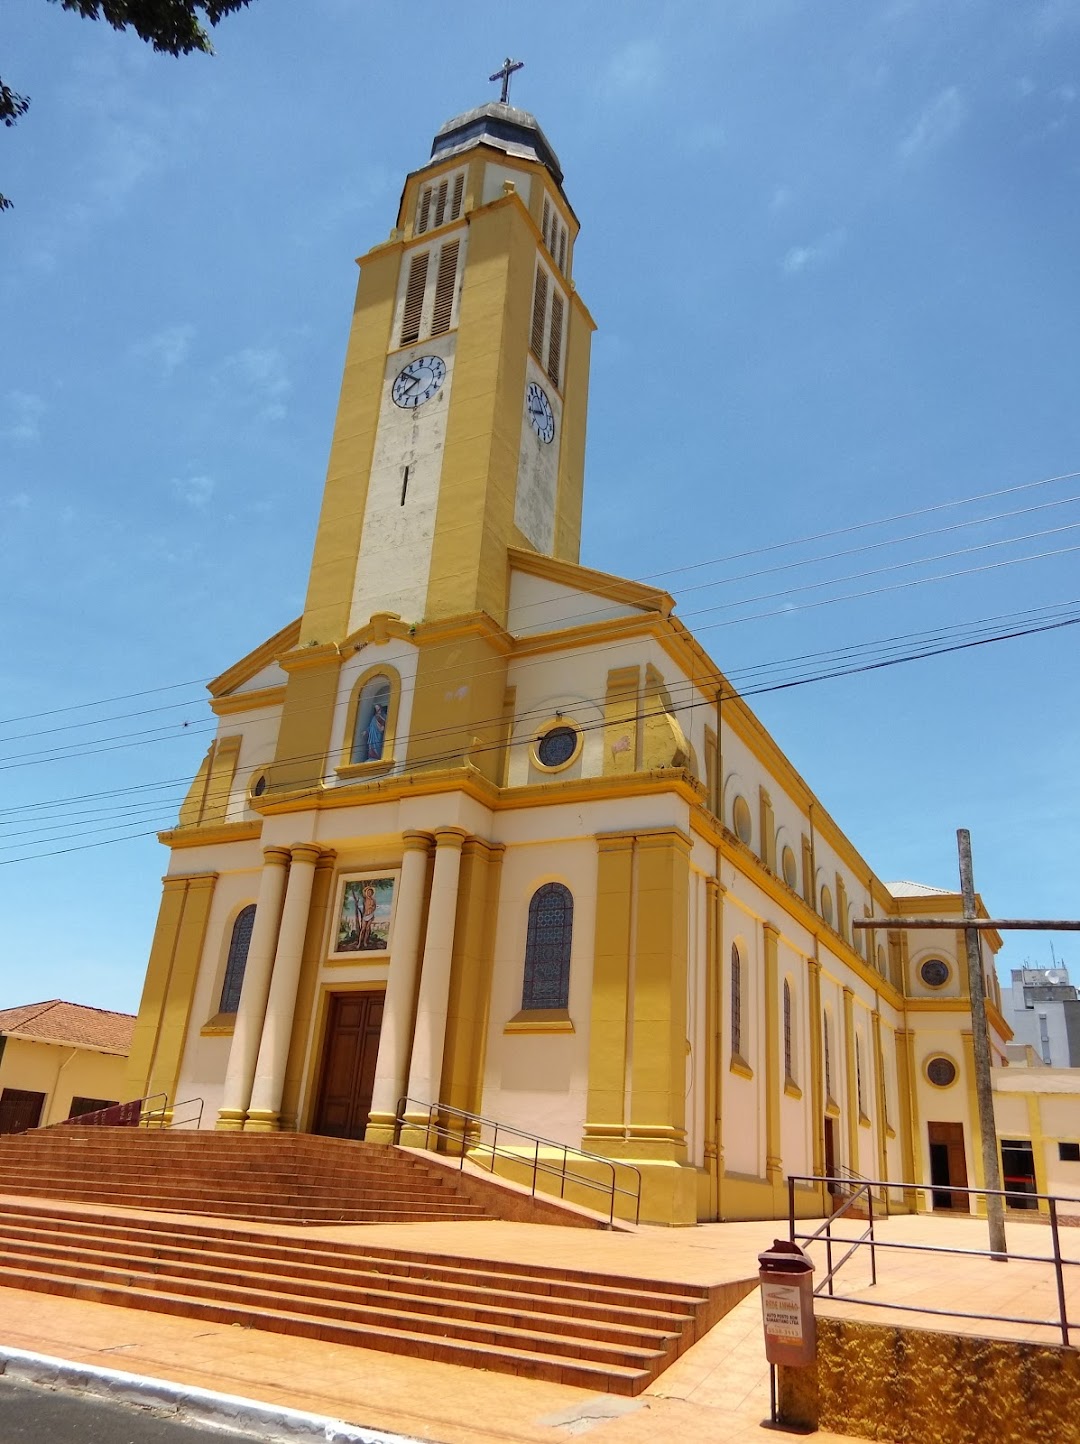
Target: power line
point(851, 670)
point(689, 567)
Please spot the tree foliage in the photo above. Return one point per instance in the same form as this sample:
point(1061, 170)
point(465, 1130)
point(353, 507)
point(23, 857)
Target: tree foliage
point(172, 27)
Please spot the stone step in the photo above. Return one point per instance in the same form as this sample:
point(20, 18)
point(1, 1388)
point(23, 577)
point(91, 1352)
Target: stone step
point(606, 1320)
point(494, 1275)
point(562, 1333)
point(521, 1354)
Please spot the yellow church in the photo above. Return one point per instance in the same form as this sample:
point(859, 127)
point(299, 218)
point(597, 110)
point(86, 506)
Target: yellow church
point(488, 829)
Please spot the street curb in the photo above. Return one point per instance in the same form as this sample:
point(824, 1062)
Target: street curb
point(191, 1404)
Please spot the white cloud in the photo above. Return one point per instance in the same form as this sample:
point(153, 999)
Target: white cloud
point(809, 257)
point(195, 491)
point(23, 413)
point(634, 70)
point(936, 123)
point(166, 349)
point(260, 372)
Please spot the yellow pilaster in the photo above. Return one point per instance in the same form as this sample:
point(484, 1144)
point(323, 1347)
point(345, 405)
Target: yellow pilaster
point(767, 825)
point(882, 1104)
point(470, 975)
point(165, 1009)
point(304, 732)
point(222, 772)
point(774, 1169)
point(608, 1025)
point(295, 1072)
point(851, 1101)
point(621, 721)
point(714, 1132)
point(907, 1088)
point(658, 1065)
point(817, 1078)
point(341, 521)
point(452, 723)
point(1038, 1145)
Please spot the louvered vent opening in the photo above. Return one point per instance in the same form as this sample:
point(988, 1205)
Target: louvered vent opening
point(555, 344)
point(440, 202)
point(539, 314)
point(459, 190)
point(444, 288)
point(424, 213)
point(562, 250)
point(414, 299)
point(545, 226)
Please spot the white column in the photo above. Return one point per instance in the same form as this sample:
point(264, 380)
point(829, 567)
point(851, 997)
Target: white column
point(429, 1036)
point(269, 1082)
point(247, 1030)
point(392, 1066)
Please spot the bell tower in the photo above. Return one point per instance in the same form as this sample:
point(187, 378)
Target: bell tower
point(460, 429)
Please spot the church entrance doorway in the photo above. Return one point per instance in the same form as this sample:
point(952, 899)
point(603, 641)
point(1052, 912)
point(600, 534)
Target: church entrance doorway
point(348, 1070)
point(948, 1166)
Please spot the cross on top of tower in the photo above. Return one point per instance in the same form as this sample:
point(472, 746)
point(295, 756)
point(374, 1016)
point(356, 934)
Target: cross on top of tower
point(504, 73)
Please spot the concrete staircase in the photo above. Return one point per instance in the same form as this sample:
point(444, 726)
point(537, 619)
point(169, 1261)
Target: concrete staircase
point(593, 1330)
point(282, 1178)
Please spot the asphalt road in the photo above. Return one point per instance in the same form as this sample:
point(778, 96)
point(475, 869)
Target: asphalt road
point(32, 1414)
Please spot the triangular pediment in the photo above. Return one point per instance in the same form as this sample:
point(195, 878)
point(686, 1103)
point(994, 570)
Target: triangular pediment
point(548, 595)
point(260, 667)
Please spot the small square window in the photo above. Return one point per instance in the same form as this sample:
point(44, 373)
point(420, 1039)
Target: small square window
point(1069, 1152)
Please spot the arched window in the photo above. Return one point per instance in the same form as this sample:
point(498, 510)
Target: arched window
point(858, 1077)
point(547, 948)
point(828, 1058)
point(789, 1059)
point(369, 727)
point(238, 951)
point(736, 1001)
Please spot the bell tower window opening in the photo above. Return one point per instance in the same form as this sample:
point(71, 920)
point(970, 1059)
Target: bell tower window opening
point(445, 276)
point(430, 291)
point(548, 324)
point(439, 202)
point(414, 298)
point(555, 235)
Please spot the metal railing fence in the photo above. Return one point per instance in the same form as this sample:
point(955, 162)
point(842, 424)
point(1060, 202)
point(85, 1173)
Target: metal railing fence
point(867, 1239)
point(466, 1133)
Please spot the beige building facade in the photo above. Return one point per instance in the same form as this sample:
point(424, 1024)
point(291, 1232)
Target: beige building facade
point(489, 829)
point(60, 1060)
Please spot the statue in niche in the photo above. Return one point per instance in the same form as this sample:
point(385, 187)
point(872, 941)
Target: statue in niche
point(370, 735)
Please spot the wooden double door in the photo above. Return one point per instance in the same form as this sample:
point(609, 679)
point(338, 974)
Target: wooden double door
point(948, 1166)
point(348, 1069)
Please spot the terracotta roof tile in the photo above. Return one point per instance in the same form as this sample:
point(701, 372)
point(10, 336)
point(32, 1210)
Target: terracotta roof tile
point(58, 1022)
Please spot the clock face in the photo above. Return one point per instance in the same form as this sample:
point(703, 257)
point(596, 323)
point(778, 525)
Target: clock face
point(540, 413)
point(419, 381)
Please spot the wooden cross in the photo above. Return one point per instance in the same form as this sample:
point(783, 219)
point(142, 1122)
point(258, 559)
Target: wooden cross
point(504, 74)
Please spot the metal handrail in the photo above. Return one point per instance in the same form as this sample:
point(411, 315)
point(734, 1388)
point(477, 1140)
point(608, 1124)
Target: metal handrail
point(849, 1175)
point(539, 1165)
point(122, 1114)
point(198, 1104)
point(824, 1231)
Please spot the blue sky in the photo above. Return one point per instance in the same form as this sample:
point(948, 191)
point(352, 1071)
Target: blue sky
point(831, 250)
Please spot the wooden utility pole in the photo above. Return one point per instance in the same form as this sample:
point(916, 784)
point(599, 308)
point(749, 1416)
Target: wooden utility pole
point(984, 1087)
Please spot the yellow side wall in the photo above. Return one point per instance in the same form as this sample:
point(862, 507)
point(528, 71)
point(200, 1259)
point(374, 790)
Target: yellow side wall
point(62, 1073)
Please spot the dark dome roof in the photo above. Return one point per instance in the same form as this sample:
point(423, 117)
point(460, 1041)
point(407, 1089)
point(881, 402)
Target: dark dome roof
point(504, 126)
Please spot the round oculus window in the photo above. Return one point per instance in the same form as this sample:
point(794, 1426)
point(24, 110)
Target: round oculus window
point(740, 817)
point(557, 747)
point(934, 973)
point(790, 868)
point(260, 786)
point(941, 1072)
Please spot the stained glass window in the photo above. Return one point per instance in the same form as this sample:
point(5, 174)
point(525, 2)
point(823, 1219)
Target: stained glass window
point(547, 948)
point(736, 1001)
point(789, 1066)
point(234, 968)
point(828, 1056)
